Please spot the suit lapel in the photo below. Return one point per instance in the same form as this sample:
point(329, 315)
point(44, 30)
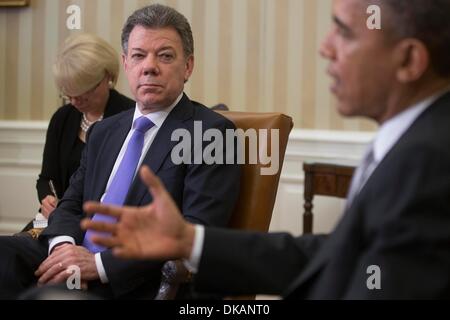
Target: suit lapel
point(108, 152)
point(161, 146)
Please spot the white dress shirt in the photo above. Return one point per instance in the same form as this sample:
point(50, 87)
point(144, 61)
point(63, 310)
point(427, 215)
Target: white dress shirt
point(387, 136)
point(158, 119)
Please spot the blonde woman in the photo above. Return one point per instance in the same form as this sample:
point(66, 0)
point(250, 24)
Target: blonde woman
point(85, 72)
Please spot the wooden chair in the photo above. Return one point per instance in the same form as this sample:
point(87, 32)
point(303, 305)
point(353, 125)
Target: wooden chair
point(256, 198)
point(324, 179)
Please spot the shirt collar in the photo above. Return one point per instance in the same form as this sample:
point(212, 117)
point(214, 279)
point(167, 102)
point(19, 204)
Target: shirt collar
point(391, 131)
point(157, 117)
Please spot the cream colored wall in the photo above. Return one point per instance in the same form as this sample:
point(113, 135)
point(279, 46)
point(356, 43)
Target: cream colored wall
point(253, 55)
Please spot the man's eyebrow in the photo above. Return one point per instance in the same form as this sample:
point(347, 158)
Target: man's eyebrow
point(159, 49)
point(166, 48)
point(138, 49)
point(341, 24)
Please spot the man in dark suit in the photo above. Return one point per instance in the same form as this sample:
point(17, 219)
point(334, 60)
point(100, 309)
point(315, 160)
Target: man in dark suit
point(158, 59)
point(394, 237)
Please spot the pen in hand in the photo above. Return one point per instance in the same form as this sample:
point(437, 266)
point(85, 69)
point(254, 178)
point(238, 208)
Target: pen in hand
point(52, 188)
point(40, 221)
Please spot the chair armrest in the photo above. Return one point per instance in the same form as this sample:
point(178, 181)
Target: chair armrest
point(174, 274)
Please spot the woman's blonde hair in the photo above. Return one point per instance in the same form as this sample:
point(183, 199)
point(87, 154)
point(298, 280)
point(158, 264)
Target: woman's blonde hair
point(83, 62)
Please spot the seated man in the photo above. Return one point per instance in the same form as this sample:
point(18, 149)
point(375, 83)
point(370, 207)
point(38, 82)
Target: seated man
point(158, 59)
point(393, 241)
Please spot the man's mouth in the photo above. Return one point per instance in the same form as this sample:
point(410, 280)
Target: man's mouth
point(335, 81)
point(149, 85)
point(151, 88)
point(334, 87)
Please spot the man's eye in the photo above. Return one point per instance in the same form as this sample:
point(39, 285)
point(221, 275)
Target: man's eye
point(344, 33)
point(137, 56)
point(166, 56)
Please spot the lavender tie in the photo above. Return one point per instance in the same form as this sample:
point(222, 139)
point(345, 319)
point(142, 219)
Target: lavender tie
point(121, 182)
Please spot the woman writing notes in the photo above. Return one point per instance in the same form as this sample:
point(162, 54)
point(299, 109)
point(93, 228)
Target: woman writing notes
point(85, 72)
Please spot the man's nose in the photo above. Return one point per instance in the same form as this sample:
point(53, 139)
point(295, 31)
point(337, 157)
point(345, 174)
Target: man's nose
point(151, 66)
point(326, 49)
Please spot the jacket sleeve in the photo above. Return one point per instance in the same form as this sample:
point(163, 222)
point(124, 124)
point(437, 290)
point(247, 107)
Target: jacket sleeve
point(50, 165)
point(240, 263)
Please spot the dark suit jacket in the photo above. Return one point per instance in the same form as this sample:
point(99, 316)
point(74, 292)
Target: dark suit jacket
point(60, 159)
point(400, 221)
point(205, 194)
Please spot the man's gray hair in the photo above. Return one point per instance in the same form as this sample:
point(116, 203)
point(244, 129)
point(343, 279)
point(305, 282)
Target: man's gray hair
point(158, 16)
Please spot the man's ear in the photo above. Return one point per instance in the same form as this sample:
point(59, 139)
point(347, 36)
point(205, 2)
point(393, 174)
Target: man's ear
point(124, 61)
point(414, 60)
point(189, 68)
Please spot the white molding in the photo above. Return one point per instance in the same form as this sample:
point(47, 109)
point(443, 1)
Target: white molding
point(21, 146)
point(349, 137)
point(22, 143)
point(321, 146)
point(8, 228)
point(23, 125)
point(27, 132)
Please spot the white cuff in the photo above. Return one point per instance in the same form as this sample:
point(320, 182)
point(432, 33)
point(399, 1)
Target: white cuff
point(100, 268)
point(194, 260)
point(57, 240)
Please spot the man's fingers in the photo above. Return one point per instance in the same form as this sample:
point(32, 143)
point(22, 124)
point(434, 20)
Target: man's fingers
point(59, 278)
point(108, 242)
point(98, 226)
point(52, 272)
point(122, 253)
point(154, 184)
point(54, 258)
point(84, 285)
point(92, 207)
